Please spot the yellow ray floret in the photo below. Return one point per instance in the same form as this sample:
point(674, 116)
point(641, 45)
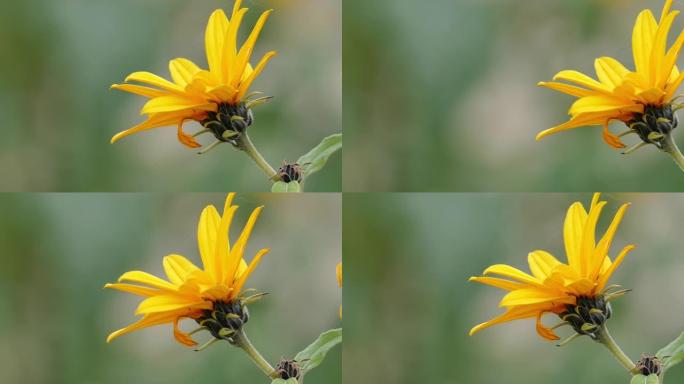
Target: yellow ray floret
point(552, 284)
point(620, 93)
point(193, 91)
point(190, 290)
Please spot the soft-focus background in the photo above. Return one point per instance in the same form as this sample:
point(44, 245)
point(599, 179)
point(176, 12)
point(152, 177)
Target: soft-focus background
point(58, 59)
point(59, 250)
point(441, 95)
point(408, 305)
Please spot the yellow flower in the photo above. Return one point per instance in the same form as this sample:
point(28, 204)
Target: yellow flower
point(191, 292)
point(641, 99)
point(560, 288)
point(215, 97)
point(339, 281)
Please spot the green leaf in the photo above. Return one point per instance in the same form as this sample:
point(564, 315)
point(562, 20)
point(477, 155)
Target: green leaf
point(673, 353)
point(283, 187)
point(281, 381)
point(315, 160)
point(641, 379)
point(313, 355)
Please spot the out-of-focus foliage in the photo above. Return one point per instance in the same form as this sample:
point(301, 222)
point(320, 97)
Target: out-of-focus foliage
point(59, 59)
point(408, 305)
point(441, 95)
point(59, 250)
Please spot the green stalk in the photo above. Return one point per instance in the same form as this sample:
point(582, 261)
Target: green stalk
point(245, 144)
point(670, 147)
point(240, 340)
point(604, 337)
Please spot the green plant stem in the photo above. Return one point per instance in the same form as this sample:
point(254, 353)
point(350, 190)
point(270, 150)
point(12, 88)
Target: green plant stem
point(240, 340)
point(606, 339)
point(670, 147)
point(245, 144)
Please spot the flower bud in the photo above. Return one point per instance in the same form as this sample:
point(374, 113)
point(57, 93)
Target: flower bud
point(290, 172)
point(288, 369)
point(229, 121)
point(649, 365)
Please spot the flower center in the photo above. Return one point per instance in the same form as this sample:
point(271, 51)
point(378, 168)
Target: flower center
point(224, 319)
point(588, 315)
point(288, 369)
point(229, 121)
point(654, 124)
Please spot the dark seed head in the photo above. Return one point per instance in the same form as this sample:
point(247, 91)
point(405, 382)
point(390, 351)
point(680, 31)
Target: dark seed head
point(225, 319)
point(588, 315)
point(290, 172)
point(649, 365)
point(229, 121)
point(654, 123)
point(288, 369)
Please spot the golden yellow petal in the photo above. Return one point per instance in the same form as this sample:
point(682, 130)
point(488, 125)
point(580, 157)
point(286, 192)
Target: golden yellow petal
point(610, 71)
point(576, 122)
point(180, 336)
point(497, 283)
point(534, 296)
point(510, 315)
point(146, 321)
point(567, 89)
point(206, 237)
point(222, 267)
point(572, 232)
point(244, 85)
point(140, 90)
point(183, 71)
point(541, 264)
point(166, 303)
point(134, 289)
point(147, 279)
point(236, 253)
point(214, 39)
point(243, 278)
point(642, 38)
point(581, 79)
point(153, 121)
point(177, 268)
point(605, 276)
point(247, 48)
point(603, 246)
point(152, 79)
point(543, 331)
point(175, 103)
point(512, 273)
point(588, 243)
point(230, 47)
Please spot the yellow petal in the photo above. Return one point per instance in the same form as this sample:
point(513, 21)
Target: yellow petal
point(146, 321)
point(140, 90)
point(166, 303)
point(534, 296)
point(243, 278)
point(541, 264)
point(512, 273)
point(543, 331)
point(230, 47)
point(572, 232)
point(244, 85)
point(603, 279)
point(603, 246)
point(510, 315)
point(182, 71)
point(576, 122)
point(147, 279)
point(152, 79)
point(214, 39)
point(176, 104)
point(567, 89)
point(642, 38)
point(206, 237)
point(222, 251)
point(497, 283)
point(248, 47)
point(610, 71)
point(177, 268)
point(182, 337)
point(581, 79)
point(134, 289)
point(233, 258)
point(588, 243)
point(154, 121)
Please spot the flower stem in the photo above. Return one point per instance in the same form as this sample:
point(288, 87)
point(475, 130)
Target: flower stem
point(240, 340)
point(245, 144)
point(670, 147)
point(606, 339)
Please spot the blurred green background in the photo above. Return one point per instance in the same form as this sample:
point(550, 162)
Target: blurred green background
point(441, 95)
point(58, 251)
point(408, 306)
point(59, 59)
